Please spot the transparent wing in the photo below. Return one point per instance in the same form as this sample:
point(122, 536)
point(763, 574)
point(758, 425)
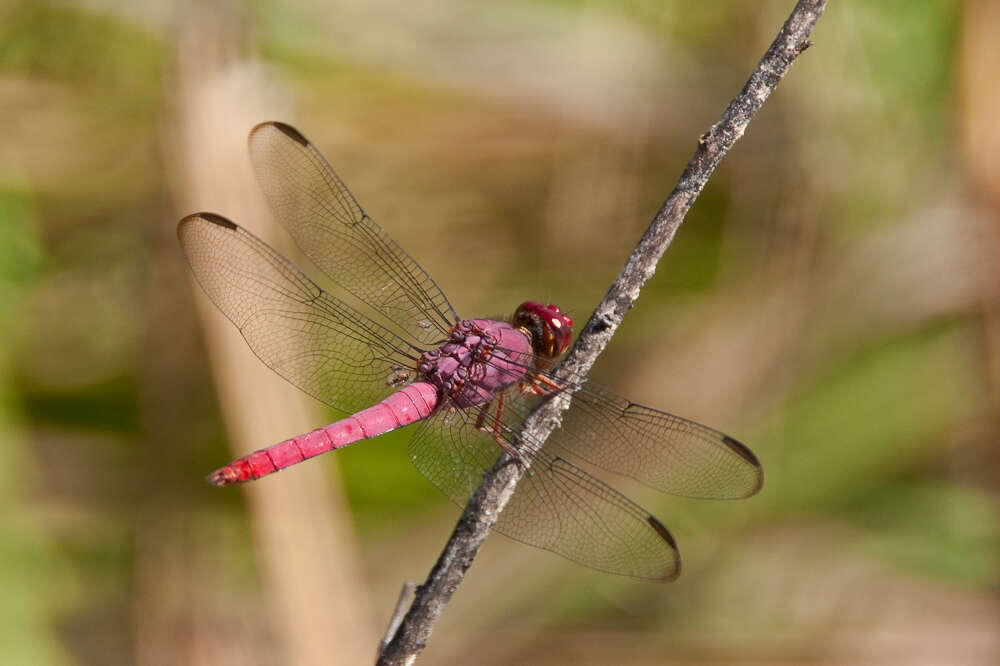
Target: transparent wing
point(307, 336)
point(557, 505)
point(332, 229)
point(663, 451)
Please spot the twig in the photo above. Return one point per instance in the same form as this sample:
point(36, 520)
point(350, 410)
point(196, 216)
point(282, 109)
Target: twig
point(498, 484)
point(397, 615)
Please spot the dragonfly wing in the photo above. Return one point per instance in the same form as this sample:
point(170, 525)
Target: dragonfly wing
point(663, 451)
point(557, 505)
point(306, 335)
point(332, 229)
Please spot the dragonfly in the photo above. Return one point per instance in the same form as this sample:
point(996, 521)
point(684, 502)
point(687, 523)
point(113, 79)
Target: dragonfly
point(392, 351)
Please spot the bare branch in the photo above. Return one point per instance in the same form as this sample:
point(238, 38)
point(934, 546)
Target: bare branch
point(397, 615)
point(499, 483)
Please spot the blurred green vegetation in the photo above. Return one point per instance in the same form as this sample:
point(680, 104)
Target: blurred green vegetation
point(869, 406)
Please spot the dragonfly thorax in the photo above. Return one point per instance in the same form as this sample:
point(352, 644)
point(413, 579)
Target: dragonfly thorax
point(482, 358)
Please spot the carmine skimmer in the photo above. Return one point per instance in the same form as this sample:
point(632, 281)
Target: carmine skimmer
point(400, 354)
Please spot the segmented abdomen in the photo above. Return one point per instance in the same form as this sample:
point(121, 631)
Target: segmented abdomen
point(408, 405)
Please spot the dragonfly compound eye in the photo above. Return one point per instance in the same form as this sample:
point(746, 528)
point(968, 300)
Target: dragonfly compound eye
point(550, 329)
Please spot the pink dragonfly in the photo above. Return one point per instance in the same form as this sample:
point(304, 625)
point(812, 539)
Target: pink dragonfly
point(400, 355)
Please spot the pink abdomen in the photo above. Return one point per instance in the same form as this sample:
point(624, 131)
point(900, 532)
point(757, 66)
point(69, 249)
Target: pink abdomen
point(410, 404)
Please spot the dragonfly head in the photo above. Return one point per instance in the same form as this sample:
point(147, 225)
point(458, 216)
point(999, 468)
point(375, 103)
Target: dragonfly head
point(549, 328)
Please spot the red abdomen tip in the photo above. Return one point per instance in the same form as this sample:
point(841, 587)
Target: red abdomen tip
point(223, 476)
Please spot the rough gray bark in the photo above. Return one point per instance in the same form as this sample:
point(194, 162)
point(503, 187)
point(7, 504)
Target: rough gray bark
point(499, 483)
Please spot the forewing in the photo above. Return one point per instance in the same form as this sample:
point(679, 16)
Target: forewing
point(307, 336)
point(663, 451)
point(557, 505)
point(332, 229)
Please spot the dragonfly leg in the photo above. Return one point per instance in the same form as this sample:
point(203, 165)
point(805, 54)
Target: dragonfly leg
point(540, 385)
point(496, 429)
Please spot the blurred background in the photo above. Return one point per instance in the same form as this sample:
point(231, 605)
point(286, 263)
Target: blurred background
point(831, 300)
